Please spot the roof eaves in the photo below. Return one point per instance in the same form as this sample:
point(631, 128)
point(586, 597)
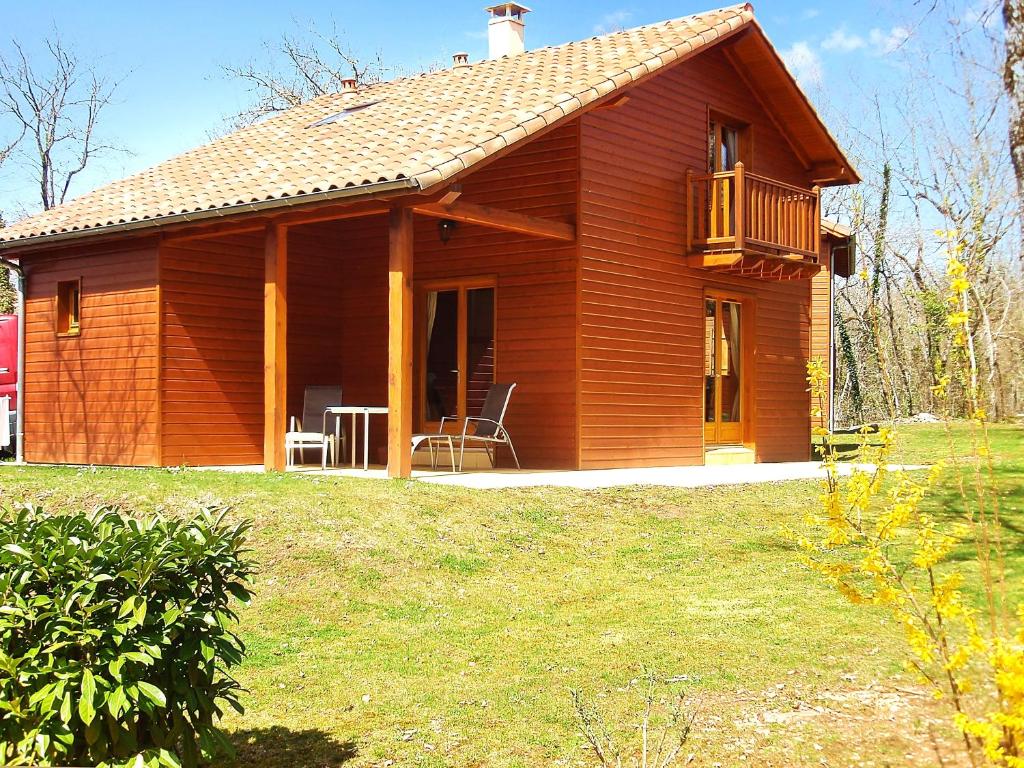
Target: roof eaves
point(855, 177)
point(834, 228)
point(362, 190)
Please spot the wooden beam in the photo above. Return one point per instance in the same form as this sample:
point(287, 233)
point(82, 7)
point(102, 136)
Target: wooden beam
point(275, 346)
point(333, 213)
point(828, 172)
point(621, 101)
point(214, 229)
point(451, 195)
point(509, 221)
point(400, 255)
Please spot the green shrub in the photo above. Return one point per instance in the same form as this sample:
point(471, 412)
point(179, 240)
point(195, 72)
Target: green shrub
point(115, 636)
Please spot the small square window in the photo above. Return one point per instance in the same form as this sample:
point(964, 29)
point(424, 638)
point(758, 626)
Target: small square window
point(69, 307)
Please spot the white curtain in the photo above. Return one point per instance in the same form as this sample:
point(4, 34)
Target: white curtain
point(431, 314)
point(730, 139)
point(734, 355)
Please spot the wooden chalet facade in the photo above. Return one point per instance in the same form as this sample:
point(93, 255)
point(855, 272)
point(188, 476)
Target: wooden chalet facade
point(646, 263)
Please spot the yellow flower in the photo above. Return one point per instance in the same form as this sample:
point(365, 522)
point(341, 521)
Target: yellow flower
point(955, 268)
point(920, 644)
point(954, 319)
point(959, 285)
point(947, 596)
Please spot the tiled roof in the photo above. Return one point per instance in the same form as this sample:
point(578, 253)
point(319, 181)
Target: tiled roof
point(422, 130)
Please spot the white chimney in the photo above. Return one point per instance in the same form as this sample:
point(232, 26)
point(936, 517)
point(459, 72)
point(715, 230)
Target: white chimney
point(505, 30)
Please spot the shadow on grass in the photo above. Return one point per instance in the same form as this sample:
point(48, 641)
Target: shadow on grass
point(278, 747)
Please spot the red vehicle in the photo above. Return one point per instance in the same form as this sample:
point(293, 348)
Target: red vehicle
point(9, 366)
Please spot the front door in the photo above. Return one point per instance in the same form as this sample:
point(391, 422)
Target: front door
point(723, 371)
point(456, 350)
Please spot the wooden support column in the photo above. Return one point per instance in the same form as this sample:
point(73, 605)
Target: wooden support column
point(400, 250)
point(275, 346)
point(739, 206)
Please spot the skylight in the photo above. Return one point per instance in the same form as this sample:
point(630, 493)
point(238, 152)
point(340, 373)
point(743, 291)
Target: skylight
point(339, 116)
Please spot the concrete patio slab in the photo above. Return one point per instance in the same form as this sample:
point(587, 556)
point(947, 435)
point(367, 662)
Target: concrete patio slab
point(669, 477)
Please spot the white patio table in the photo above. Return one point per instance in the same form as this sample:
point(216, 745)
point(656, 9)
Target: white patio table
point(355, 410)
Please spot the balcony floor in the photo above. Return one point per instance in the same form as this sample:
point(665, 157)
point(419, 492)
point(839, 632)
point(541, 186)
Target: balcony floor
point(750, 263)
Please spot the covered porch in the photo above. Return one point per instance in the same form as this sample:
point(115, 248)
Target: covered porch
point(384, 299)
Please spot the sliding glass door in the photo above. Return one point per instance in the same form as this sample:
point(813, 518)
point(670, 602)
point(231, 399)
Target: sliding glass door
point(456, 350)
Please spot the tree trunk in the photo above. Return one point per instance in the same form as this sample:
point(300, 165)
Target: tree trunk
point(1013, 81)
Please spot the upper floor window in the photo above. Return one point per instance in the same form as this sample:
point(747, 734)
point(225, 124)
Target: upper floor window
point(727, 144)
point(69, 307)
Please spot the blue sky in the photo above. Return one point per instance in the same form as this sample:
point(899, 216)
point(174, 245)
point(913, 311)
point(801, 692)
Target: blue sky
point(168, 55)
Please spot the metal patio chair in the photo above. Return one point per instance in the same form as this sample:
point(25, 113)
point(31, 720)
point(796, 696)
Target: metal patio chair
point(315, 430)
point(490, 425)
point(441, 437)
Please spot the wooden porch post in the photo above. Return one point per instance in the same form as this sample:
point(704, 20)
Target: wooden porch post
point(275, 351)
point(400, 251)
point(739, 206)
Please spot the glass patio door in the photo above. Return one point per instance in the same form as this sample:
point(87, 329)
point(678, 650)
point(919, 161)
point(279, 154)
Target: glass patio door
point(457, 351)
point(723, 371)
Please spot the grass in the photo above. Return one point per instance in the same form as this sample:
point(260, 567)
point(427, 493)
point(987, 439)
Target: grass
point(437, 626)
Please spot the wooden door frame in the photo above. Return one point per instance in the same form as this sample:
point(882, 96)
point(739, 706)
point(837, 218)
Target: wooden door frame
point(748, 371)
point(460, 284)
point(743, 127)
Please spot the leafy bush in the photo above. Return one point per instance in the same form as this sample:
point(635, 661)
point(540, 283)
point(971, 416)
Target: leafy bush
point(115, 636)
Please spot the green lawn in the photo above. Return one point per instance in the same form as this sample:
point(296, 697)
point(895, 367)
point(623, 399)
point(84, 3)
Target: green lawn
point(436, 626)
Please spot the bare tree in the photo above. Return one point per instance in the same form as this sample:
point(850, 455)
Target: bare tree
point(942, 134)
point(301, 66)
point(55, 105)
point(304, 64)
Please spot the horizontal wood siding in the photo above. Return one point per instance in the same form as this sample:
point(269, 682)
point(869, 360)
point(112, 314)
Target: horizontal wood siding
point(641, 372)
point(212, 350)
point(92, 398)
point(536, 289)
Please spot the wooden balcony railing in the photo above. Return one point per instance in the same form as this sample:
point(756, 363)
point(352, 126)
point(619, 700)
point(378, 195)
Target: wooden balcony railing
point(743, 212)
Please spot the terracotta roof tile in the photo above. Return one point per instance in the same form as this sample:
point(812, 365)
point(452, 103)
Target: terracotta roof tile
point(423, 129)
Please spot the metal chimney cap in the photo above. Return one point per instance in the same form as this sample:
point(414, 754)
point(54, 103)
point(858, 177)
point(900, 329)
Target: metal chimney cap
point(507, 9)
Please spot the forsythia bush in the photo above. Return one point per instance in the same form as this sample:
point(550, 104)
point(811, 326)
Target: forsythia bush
point(115, 636)
point(875, 540)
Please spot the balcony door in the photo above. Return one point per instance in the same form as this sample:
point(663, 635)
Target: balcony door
point(456, 349)
point(725, 364)
point(724, 148)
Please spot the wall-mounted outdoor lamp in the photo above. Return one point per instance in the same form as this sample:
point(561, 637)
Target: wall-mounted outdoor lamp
point(446, 228)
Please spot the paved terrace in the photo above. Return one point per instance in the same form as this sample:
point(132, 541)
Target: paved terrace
point(669, 477)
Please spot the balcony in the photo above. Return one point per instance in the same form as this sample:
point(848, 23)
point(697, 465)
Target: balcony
point(745, 224)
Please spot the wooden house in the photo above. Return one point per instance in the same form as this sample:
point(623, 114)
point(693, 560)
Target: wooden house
point(628, 227)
